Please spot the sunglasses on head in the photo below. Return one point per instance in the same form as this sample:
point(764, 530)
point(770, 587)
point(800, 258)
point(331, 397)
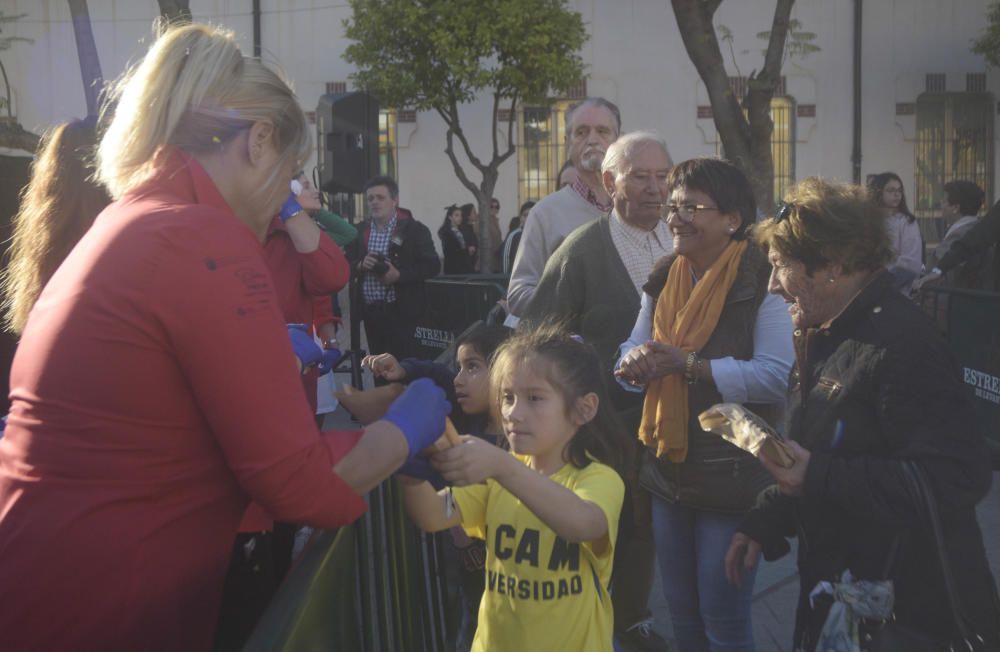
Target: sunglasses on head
point(784, 212)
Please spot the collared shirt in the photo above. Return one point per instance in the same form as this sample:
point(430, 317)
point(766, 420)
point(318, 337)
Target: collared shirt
point(638, 248)
point(581, 187)
point(378, 240)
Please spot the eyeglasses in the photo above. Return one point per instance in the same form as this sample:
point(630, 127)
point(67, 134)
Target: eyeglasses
point(686, 212)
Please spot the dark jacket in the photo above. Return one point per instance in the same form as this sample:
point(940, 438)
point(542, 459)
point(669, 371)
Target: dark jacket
point(586, 287)
point(977, 247)
point(412, 253)
point(716, 476)
point(882, 372)
point(456, 253)
point(471, 240)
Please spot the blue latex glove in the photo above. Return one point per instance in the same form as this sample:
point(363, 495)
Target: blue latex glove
point(305, 347)
point(330, 359)
point(419, 412)
point(419, 468)
point(290, 207)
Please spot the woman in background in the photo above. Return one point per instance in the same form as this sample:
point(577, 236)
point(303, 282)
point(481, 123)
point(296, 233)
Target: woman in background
point(457, 259)
point(58, 205)
point(470, 229)
point(904, 235)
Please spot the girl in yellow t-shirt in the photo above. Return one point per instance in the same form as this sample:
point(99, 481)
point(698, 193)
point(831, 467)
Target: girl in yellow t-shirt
point(549, 512)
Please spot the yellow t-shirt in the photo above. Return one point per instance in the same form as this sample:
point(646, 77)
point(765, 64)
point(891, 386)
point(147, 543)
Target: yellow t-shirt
point(543, 593)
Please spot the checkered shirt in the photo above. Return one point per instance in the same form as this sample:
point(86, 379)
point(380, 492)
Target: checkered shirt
point(639, 249)
point(372, 286)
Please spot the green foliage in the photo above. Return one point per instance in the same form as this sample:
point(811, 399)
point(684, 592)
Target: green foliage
point(434, 54)
point(988, 43)
point(798, 43)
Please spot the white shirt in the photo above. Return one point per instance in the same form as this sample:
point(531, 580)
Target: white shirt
point(638, 248)
point(761, 379)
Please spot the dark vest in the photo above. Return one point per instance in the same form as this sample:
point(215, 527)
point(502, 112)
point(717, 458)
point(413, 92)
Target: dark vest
point(716, 475)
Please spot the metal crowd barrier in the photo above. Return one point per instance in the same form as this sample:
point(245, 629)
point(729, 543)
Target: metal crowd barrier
point(374, 586)
point(454, 302)
point(970, 321)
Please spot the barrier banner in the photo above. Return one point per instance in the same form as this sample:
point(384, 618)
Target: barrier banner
point(454, 303)
point(974, 334)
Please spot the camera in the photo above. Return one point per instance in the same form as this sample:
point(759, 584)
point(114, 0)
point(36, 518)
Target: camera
point(381, 266)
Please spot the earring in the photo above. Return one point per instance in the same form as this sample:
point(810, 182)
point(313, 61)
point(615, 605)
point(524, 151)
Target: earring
point(831, 280)
point(732, 230)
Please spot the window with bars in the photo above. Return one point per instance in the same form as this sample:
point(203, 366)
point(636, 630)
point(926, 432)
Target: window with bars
point(541, 149)
point(782, 144)
point(387, 142)
point(954, 140)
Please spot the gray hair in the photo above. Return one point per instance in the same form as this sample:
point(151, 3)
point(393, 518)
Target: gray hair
point(620, 153)
point(593, 101)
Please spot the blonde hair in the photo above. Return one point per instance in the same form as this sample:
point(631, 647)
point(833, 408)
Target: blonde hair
point(194, 90)
point(58, 205)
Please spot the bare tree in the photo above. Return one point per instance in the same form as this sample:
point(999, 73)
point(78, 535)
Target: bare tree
point(746, 137)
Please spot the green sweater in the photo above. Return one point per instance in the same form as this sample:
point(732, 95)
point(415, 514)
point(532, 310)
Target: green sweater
point(339, 229)
point(586, 287)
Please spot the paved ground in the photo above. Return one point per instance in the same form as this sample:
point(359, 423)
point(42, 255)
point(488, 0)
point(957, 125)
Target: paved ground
point(777, 588)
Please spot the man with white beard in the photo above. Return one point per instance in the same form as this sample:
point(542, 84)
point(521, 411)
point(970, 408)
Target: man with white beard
point(591, 126)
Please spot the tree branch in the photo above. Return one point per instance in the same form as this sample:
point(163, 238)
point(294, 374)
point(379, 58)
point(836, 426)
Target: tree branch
point(776, 43)
point(493, 123)
point(456, 129)
point(758, 104)
point(694, 19)
point(450, 151)
point(510, 129)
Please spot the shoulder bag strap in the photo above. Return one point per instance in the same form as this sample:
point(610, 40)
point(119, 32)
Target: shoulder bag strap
point(928, 504)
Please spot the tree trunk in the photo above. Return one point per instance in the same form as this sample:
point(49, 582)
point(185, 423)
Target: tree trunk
point(485, 197)
point(175, 11)
point(86, 49)
point(746, 138)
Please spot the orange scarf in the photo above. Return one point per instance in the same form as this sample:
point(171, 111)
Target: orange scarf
point(686, 316)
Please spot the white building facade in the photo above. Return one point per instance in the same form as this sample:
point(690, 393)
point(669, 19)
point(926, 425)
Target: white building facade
point(927, 104)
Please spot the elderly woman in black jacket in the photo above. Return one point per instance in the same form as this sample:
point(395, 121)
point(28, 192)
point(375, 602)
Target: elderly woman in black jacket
point(875, 390)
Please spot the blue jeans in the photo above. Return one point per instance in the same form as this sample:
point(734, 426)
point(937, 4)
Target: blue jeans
point(708, 613)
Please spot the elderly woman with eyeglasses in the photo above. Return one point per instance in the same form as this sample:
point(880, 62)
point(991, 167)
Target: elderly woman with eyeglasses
point(707, 332)
point(876, 400)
